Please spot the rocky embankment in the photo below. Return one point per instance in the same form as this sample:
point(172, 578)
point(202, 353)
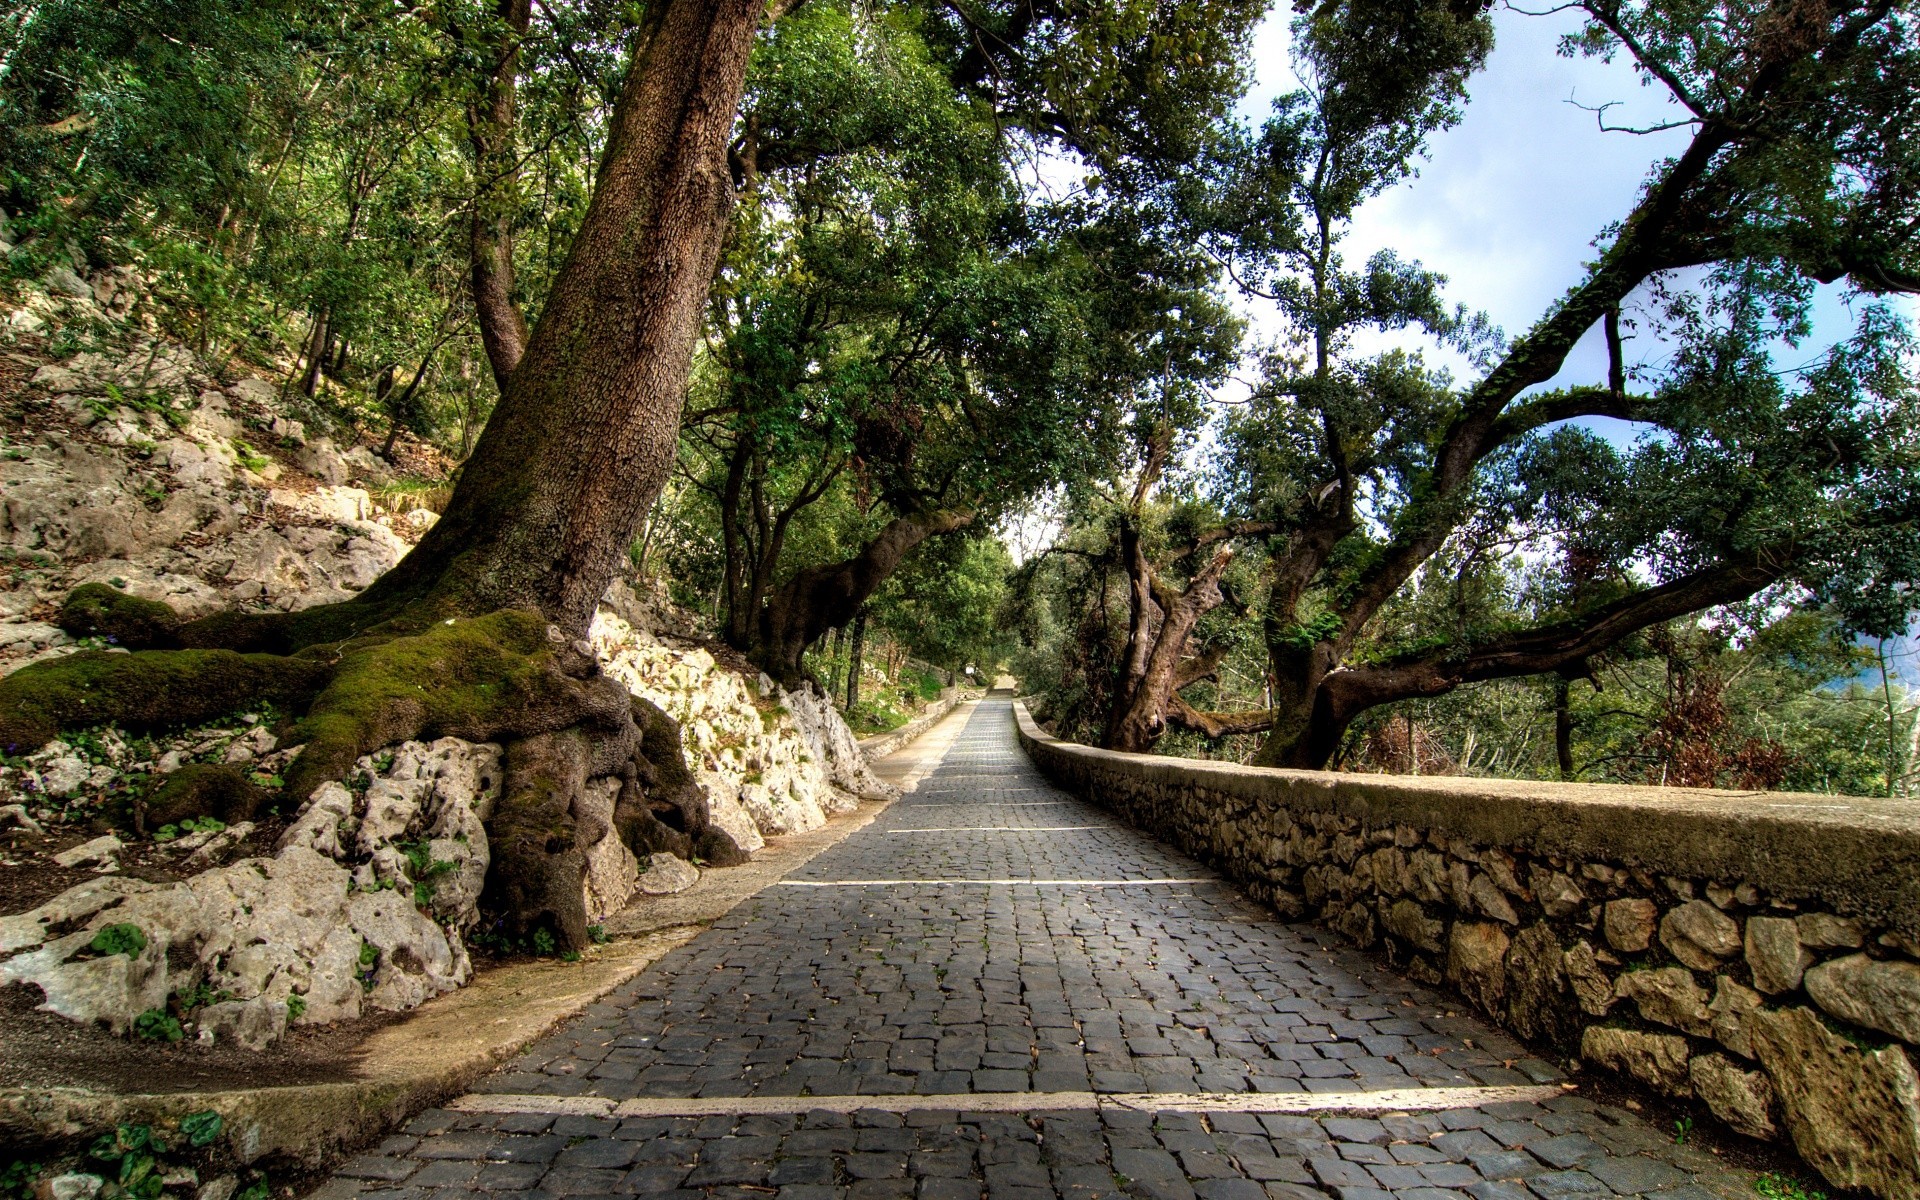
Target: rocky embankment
point(125, 460)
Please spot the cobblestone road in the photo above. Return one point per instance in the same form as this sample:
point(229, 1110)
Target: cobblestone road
point(897, 1021)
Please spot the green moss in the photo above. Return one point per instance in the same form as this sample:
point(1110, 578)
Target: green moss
point(202, 790)
point(148, 689)
point(478, 679)
point(96, 610)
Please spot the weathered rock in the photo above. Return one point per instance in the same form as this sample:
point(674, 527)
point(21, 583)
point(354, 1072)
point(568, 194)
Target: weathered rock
point(1476, 957)
point(1700, 935)
point(1775, 954)
point(612, 873)
point(100, 850)
point(1879, 995)
point(1488, 899)
point(1557, 893)
point(1854, 1114)
point(1742, 1099)
point(1658, 1060)
point(74, 1185)
point(254, 1024)
point(1731, 1004)
point(1591, 987)
point(1824, 931)
point(1409, 922)
point(1540, 1004)
point(667, 874)
point(1667, 996)
point(1629, 924)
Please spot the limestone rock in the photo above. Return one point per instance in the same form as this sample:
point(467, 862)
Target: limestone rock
point(1629, 924)
point(1854, 1114)
point(254, 1024)
point(1668, 996)
point(1879, 995)
point(1732, 1002)
point(1476, 957)
point(612, 873)
point(1824, 931)
point(1591, 987)
point(1700, 935)
point(667, 874)
point(1539, 1002)
point(1658, 1060)
point(1409, 922)
point(1742, 1099)
point(74, 1185)
point(1557, 893)
point(1775, 954)
point(1488, 899)
point(100, 850)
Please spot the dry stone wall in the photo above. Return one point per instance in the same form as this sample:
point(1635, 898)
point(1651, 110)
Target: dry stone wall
point(1750, 952)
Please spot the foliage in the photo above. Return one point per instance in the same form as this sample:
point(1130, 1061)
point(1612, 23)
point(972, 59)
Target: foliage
point(123, 938)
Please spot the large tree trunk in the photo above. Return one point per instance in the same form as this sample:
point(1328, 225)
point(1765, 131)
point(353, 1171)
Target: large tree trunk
point(1140, 710)
point(585, 432)
point(825, 597)
point(491, 125)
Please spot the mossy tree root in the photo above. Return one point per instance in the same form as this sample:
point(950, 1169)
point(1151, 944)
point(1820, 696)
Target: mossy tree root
point(504, 676)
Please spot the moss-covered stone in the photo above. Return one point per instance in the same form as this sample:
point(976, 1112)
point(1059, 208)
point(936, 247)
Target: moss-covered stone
point(96, 610)
point(148, 689)
point(201, 790)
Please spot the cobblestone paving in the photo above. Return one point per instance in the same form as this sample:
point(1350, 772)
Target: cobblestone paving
point(923, 983)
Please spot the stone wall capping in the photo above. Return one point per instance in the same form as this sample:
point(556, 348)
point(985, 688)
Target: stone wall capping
point(1858, 856)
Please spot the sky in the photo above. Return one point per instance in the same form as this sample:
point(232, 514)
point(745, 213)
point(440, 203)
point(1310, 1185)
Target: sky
point(1509, 201)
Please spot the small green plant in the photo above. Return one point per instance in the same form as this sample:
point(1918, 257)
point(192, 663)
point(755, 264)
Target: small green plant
point(124, 938)
point(131, 1153)
point(257, 1190)
point(1682, 1130)
point(158, 1025)
point(570, 956)
point(543, 943)
point(249, 458)
point(598, 935)
point(17, 1180)
point(1774, 1186)
point(201, 1128)
point(369, 954)
point(296, 1007)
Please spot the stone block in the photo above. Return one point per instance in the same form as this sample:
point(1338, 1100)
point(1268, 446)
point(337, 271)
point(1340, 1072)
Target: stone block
point(1667, 996)
point(1700, 935)
point(1409, 922)
point(1540, 1003)
point(1629, 924)
point(1742, 1099)
point(1732, 1002)
point(1824, 931)
point(1775, 954)
point(1879, 995)
point(1476, 958)
point(1658, 1060)
point(1591, 987)
point(1854, 1114)
point(1487, 899)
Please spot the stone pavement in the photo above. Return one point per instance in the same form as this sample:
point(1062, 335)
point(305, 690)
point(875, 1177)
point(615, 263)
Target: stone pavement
point(996, 992)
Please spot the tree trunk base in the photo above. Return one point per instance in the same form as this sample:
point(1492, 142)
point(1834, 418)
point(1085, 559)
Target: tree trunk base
point(505, 676)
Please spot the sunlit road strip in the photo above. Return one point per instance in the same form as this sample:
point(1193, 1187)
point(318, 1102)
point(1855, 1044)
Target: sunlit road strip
point(1301, 1103)
point(1094, 883)
point(997, 829)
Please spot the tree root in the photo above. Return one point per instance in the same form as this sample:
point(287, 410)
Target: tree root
point(503, 676)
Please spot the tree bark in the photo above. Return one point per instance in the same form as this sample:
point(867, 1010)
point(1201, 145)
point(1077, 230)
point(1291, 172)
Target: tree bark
point(582, 439)
point(824, 597)
point(858, 658)
point(492, 123)
point(1343, 695)
point(1563, 726)
point(1140, 710)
